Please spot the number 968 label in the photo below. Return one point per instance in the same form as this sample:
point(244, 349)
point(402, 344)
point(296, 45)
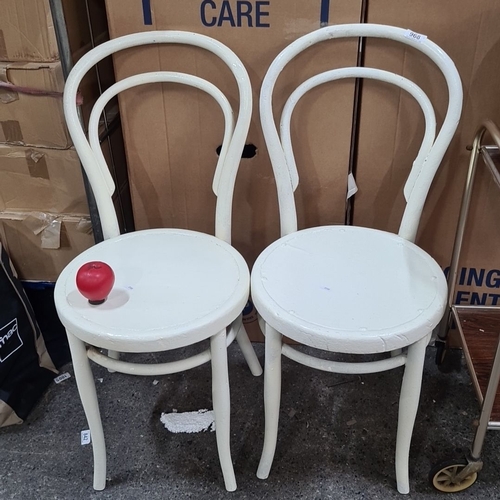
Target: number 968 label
point(418, 37)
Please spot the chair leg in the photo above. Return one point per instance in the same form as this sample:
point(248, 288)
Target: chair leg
point(88, 396)
point(248, 352)
point(408, 405)
point(272, 396)
point(113, 355)
point(222, 406)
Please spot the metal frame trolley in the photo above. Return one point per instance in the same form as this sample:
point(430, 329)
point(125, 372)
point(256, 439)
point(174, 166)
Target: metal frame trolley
point(479, 328)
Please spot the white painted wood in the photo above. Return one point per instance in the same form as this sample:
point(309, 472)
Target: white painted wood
point(173, 287)
point(115, 355)
point(99, 176)
point(351, 289)
point(370, 73)
point(348, 368)
point(408, 406)
point(179, 365)
point(248, 352)
point(222, 406)
point(272, 397)
point(420, 181)
point(148, 369)
point(86, 388)
point(161, 77)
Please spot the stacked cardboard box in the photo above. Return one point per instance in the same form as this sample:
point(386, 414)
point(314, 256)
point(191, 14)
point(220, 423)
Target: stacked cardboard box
point(44, 219)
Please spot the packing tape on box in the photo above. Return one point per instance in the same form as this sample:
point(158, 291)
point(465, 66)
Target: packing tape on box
point(84, 225)
point(49, 226)
point(7, 92)
point(51, 235)
point(12, 133)
point(3, 48)
point(37, 165)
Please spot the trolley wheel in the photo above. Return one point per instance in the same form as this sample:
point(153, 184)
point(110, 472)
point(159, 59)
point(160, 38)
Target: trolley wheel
point(440, 351)
point(442, 476)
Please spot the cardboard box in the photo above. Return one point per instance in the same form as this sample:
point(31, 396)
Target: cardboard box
point(31, 114)
point(468, 32)
point(34, 118)
point(25, 248)
point(46, 180)
point(27, 29)
point(44, 220)
point(478, 280)
point(172, 133)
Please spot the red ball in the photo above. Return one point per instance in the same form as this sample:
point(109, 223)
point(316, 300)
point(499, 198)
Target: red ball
point(94, 281)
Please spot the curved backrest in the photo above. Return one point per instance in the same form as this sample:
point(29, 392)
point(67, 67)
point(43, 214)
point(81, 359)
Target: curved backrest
point(431, 151)
point(89, 149)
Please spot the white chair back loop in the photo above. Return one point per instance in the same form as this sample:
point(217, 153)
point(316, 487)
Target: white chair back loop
point(431, 151)
point(369, 73)
point(159, 77)
point(233, 142)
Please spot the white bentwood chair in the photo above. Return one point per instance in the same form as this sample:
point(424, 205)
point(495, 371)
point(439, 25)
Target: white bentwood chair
point(173, 287)
point(349, 289)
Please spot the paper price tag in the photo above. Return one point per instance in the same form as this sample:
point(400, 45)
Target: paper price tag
point(62, 377)
point(85, 437)
point(418, 37)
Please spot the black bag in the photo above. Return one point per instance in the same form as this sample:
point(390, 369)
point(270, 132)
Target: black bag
point(26, 368)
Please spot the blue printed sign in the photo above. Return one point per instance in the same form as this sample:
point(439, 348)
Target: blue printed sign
point(472, 277)
point(236, 14)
